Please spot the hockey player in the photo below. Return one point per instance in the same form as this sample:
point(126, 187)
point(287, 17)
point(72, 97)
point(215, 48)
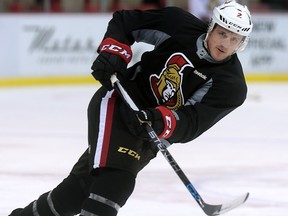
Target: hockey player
point(191, 80)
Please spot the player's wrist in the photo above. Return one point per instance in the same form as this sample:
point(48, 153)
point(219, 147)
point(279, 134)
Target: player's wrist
point(161, 119)
point(168, 121)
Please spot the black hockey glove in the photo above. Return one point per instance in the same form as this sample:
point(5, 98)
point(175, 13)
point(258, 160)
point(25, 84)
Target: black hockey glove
point(105, 65)
point(161, 119)
point(113, 58)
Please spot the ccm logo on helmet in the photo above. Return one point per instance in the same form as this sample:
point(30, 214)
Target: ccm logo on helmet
point(238, 27)
point(233, 24)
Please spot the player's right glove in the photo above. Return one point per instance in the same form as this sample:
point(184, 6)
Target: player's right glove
point(113, 58)
point(161, 119)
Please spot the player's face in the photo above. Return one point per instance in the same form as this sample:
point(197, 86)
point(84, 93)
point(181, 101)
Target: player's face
point(222, 43)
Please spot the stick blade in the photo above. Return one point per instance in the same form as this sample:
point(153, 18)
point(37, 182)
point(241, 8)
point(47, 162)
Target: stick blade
point(213, 210)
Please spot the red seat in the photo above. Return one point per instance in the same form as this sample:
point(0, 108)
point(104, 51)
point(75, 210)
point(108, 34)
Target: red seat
point(90, 7)
point(16, 7)
point(56, 6)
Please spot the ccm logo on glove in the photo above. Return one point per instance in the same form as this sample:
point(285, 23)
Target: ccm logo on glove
point(169, 122)
point(115, 47)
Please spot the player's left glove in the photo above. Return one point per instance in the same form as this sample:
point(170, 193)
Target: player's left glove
point(161, 119)
point(113, 58)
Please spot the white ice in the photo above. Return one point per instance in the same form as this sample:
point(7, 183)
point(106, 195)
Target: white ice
point(43, 132)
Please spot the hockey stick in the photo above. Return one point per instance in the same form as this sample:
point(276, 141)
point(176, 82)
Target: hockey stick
point(209, 209)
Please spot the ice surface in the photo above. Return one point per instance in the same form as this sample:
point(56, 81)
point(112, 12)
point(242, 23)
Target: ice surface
point(43, 132)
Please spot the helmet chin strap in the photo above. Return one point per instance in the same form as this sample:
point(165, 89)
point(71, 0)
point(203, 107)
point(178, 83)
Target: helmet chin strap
point(205, 41)
point(237, 48)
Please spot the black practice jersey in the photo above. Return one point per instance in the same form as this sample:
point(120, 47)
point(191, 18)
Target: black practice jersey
point(178, 73)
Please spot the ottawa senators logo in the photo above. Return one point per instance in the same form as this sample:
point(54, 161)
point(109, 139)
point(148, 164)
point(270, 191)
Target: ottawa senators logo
point(167, 86)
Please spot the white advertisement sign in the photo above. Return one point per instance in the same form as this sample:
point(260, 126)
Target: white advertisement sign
point(38, 45)
point(267, 50)
point(65, 44)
